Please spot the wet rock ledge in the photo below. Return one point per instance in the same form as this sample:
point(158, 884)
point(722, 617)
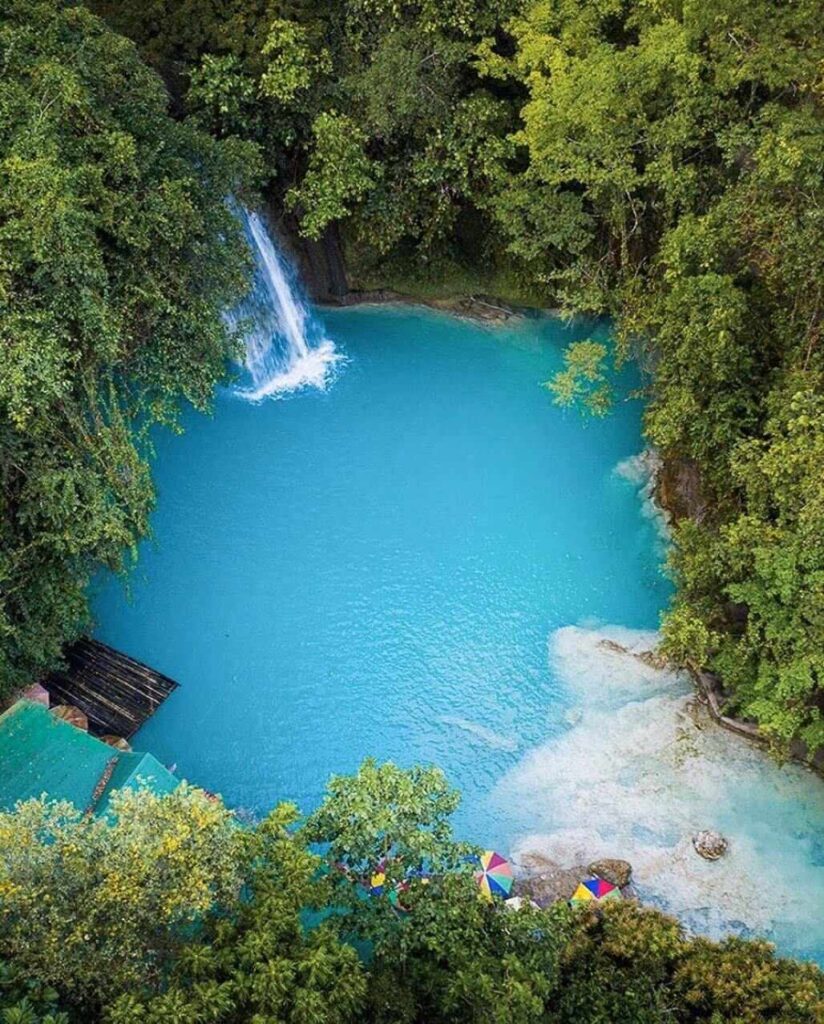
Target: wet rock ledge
point(485, 308)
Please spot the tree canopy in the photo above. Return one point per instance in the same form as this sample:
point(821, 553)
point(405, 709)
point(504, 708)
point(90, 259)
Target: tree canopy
point(118, 256)
point(172, 913)
point(659, 161)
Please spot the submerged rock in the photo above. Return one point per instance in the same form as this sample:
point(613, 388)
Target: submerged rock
point(618, 872)
point(612, 645)
point(534, 861)
point(652, 659)
point(709, 845)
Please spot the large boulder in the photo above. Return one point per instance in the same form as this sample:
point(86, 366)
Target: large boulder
point(709, 845)
point(618, 872)
point(549, 886)
point(535, 862)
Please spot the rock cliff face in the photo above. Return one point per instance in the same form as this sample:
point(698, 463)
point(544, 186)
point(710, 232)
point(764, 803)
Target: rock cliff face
point(679, 492)
point(321, 263)
point(322, 268)
point(678, 489)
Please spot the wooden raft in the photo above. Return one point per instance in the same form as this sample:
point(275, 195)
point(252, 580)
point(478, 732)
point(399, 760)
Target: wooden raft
point(116, 692)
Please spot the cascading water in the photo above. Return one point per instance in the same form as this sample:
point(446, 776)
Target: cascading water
point(286, 348)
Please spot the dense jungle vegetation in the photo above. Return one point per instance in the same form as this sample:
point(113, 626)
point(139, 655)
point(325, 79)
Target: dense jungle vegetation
point(230, 929)
point(658, 160)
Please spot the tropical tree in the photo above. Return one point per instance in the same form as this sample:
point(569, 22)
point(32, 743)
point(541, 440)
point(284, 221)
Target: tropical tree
point(94, 907)
point(278, 956)
point(117, 258)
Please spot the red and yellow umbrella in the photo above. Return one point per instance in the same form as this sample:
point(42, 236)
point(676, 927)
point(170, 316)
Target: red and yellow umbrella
point(595, 890)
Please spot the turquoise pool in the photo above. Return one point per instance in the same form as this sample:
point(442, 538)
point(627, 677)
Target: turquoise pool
point(420, 563)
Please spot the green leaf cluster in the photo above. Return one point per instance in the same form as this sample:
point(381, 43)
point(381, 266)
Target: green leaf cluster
point(170, 912)
point(117, 257)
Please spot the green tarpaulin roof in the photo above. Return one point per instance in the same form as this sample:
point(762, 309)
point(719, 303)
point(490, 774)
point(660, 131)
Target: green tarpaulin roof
point(41, 754)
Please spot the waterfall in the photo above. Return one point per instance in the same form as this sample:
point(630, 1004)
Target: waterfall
point(286, 348)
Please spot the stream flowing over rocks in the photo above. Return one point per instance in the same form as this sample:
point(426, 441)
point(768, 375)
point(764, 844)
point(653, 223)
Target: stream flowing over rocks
point(640, 770)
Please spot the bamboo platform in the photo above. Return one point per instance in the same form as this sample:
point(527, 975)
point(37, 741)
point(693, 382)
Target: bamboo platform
point(116, 693)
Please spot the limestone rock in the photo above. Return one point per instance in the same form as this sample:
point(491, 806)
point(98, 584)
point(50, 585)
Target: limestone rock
point(612, 645)
point(709, 845)
point(536, 862)
point(618, 872)
point(517, 902)
point(549, 886)
point(653, 659)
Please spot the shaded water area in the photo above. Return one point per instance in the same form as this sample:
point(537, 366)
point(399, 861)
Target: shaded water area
point(419, 562)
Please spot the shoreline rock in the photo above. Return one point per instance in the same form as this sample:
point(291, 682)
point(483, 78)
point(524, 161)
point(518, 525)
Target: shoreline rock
point(618, 872)
point(546, 882)
point(478, 308)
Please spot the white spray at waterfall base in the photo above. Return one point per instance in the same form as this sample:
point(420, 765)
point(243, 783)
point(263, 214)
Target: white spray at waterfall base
point(645, 768)
point(285, 345)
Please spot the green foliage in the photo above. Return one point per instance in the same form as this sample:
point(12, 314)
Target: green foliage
point(170, 913)
point(261, 963)
point(27, 1001)
point(661, 162)
point(674, 178)
point(290, 63)
point(742, 982)
point(224, 98)
point(618, 968)
point(584, 379)
point(96, 907)
point(686, 639)
point(631, 966)
point(767, 562)
point(386, 812)
point(461, 958)
point(388, 820)
point(117, 256)
point(339, 174)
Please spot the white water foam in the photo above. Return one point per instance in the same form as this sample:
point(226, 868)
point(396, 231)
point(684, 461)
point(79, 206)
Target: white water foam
point(645, 768)
point(315, 369)
point(286, 349)
point(641, 472)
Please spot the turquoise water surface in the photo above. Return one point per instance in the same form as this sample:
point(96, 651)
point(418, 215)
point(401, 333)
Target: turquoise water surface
point(420, 563)
point(376, 569)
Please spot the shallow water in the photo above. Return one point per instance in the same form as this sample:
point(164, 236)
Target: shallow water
point(391, 567)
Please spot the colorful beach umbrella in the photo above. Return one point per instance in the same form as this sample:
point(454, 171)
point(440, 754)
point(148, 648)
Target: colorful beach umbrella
point(495, 877)
point(595, 890)
point(378, 880)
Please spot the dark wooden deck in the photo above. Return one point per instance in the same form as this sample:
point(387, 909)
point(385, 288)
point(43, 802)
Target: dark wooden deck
point(116, 692)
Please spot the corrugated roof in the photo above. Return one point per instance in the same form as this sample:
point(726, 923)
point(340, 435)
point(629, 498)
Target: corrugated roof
point(40, 754)
point(135, 770)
